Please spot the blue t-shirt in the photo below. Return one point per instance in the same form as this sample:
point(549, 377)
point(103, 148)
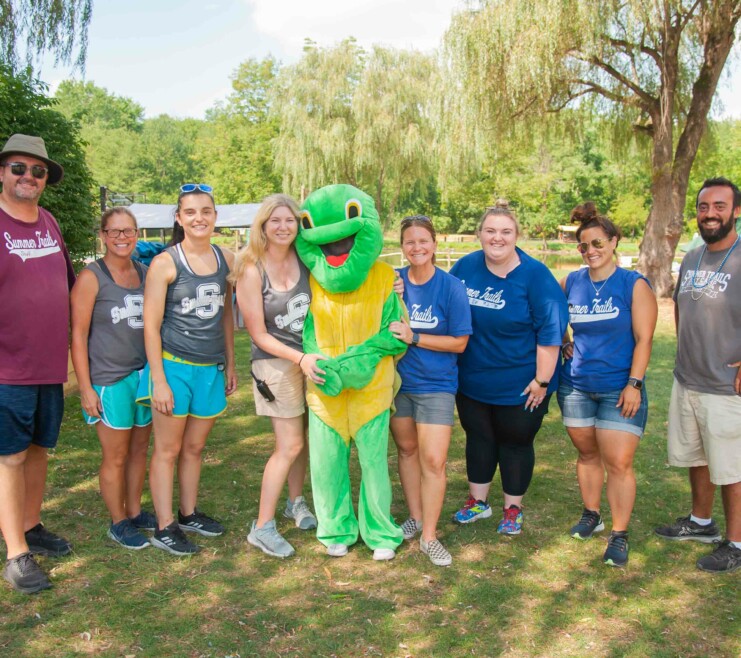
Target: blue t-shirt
point(511, 316)
point(438, 307)
point(602, 327)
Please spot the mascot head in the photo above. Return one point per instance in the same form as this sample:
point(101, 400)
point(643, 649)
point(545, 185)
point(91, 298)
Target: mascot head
point(340, 236)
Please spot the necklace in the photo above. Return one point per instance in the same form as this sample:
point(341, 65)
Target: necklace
point(597, 291)
point(713, 276)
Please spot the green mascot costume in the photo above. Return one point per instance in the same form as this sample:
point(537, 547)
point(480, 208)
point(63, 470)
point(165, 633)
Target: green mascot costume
point(352, 305)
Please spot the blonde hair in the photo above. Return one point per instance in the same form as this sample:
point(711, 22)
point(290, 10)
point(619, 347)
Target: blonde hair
point(499, 209)
point(253, 253)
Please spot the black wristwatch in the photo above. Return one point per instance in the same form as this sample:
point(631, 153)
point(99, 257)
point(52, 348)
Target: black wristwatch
point(541, 384)
point(636, 383)
point(415, 338)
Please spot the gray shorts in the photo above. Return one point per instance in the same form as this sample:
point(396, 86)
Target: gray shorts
point(426, 408)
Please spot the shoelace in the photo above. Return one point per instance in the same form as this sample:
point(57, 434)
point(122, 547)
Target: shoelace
point(588, 517)
point(620, 542)
point(300, 509)
point(470, 503)
point(510, 514)
point(25, 563)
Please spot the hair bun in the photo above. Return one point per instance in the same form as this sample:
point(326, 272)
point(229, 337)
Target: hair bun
point(584, 212)
point(501, 203)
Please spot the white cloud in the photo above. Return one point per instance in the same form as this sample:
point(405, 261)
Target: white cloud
point(417, 24)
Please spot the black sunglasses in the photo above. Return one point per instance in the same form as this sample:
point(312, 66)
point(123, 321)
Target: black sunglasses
point(20, 168)
point(597, 243)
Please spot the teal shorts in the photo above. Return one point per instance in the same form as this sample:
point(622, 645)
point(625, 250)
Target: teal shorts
point(120, 411)
point(198, 390)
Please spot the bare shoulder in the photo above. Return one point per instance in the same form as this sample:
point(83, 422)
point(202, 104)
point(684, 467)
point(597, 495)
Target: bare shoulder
point(162, 268)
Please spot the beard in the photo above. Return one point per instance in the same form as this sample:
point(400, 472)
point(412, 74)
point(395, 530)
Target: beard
point(711, 236)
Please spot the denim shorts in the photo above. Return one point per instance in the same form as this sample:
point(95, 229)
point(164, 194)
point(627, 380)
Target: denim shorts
point(582, 409)
point(29, 414)
point(426, 408)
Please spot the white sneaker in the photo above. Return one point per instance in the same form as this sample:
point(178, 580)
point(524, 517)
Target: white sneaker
point(337, 550)
point(384, 554)
point(300, 512)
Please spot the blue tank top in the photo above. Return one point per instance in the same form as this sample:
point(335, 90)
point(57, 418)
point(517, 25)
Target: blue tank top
point(193, 323)
point(602, 329)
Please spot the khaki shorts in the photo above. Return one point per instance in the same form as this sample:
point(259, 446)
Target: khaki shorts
point(286, 382)
point(705, 430)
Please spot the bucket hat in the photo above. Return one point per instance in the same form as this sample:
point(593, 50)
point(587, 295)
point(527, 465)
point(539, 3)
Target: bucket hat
point(33, 147)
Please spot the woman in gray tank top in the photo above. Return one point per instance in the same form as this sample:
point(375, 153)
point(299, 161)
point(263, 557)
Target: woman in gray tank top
point(108, 353)
point(273, 293)
point(189, 338)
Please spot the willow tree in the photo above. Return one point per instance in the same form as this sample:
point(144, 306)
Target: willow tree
point(351, 116)
point(30, 29)
point(653, 65)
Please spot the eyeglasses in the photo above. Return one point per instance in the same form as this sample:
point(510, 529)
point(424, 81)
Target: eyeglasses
point(20, 168)
point(116, 232)
point(597, 243)
point(192, 187)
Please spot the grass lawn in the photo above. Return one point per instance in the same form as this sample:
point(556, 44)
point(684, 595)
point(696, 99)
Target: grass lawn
point(538, 594)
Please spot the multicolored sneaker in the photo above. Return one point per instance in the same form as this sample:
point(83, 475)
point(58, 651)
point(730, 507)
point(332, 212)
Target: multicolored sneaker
point(472, 511)
point(511, 523)
point(589, 523)
point(685, 529)
point(616, 554)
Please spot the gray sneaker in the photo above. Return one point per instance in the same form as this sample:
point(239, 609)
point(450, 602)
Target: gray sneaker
point(300, 512)
point(437, 553)
point(724, 559)
point(685, 529)
point(410, 528)
point(269, 540)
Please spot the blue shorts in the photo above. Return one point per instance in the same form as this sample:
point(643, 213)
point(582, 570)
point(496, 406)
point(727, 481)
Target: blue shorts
point(198, 390)
point(426, 408)
point(29, 414)
point(120, 410)
point(581, 409)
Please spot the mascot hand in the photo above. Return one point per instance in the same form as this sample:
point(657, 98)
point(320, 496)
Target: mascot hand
point(332, 385)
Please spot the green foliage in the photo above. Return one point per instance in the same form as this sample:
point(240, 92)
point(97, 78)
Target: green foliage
point(51, 26)
point(88, 104)
point(629, 212)
point(356, 117)
point(27, 110)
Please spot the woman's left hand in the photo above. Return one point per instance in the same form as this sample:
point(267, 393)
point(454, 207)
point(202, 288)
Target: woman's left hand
point(535, 395)
point(630, 401)
point(401, 331)
point(230, 380)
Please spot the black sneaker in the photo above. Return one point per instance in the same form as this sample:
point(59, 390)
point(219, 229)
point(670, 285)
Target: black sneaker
point(200, 523)
point(42, 542)
point(173, 540)
point(589, 523)
point(685, 529)
point(724, 559)
point(25, 575)
point(144, 521)
point(616, 554)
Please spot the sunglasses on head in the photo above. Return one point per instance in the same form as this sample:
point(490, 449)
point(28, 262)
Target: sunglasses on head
point(597, 243)
point(200, 187)
point(116, 232)
point(416, 218)
point(20, 168)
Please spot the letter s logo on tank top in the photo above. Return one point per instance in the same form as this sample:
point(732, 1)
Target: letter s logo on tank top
point(297, 308)
point(132, 311)
point(206, 303)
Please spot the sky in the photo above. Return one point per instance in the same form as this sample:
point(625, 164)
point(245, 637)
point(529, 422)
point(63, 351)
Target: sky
point(176, 56)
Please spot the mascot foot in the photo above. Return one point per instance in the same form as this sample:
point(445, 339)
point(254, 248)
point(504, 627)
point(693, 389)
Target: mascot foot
point(337, 550)
point(384, 554)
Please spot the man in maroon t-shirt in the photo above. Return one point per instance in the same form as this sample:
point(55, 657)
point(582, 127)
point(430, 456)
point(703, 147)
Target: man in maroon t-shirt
point(36, 274)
